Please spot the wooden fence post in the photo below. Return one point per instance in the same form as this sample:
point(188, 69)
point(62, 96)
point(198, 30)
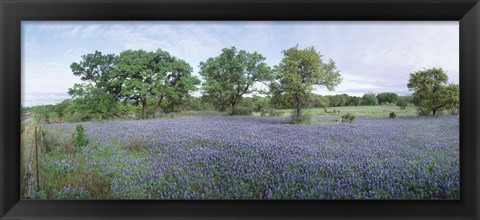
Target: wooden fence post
point(36, 159)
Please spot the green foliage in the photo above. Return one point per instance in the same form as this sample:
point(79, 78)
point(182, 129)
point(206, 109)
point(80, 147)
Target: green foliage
point(339, 100)
point(196, 104)
point(271, 112)
point(240, 110)
point(369, 99)
point(387, 97)
point(348, 118)
point(260, 103)
point(301, 118)
point(25, 110)
point(133, 75)
point(42, 113)
point(91, 102)
point(354, 101)
point(392, 115)
point(231, 75)
point(80, 139)
point(319, 101)
point(432, 91)
point(402, 103)
point(275, 113)
point(40, 195)
point(263, 113)
point(127, 110)
point(297, 75)
point(421, 111)
point(99, 70)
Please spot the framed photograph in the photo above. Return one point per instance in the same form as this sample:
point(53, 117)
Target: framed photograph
point(239, 109)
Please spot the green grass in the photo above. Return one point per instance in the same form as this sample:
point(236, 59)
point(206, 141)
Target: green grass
point(379, 111)
point(26, 144)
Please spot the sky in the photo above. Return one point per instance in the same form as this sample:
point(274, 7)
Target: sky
point(372, 57)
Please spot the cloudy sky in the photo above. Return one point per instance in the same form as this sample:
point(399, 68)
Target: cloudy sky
point(372, 56)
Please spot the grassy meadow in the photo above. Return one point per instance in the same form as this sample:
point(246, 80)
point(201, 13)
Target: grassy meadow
point(199, 155)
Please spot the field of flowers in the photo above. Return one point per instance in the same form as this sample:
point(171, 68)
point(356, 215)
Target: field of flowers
point(266, 158)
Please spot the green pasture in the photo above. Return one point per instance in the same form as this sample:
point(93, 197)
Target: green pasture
point(379, 111)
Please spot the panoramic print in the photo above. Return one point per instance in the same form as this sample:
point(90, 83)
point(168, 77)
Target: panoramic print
point(266, 110)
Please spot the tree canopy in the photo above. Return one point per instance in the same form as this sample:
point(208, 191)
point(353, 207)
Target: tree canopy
point(387, 97)
point(98, 70)
point(154, 74)
point(369, 99)
point(297, 75)
point(231, 75)
point(432, 92)
point(136, 75)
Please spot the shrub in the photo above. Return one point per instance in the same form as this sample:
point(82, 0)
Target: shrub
point(135, 145)
point(302, 118)
point(402, 103)
point(72, 117)
point(80, 139)
point(392, 115)
point(347, 118)
point(423, 111)
point(369, 99)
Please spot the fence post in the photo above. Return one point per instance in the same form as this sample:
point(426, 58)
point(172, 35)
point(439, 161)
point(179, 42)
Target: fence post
point(36, 158)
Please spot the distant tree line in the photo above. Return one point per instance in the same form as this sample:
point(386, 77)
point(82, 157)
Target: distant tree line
point(145, 84)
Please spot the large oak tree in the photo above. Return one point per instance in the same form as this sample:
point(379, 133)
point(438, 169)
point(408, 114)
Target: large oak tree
point(297, 75)
point(432, 92)
point(154, 74)
point(231, 75)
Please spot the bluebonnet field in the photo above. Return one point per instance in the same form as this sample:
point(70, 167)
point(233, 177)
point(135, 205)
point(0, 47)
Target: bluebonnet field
point(266, 158)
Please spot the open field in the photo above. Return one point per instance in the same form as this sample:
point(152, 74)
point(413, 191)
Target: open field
point(378, 111)
point(255, 158)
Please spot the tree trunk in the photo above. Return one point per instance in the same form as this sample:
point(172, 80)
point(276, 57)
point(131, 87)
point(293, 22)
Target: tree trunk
point(297, 110)
point(434, 111)
point(144, 109)
point(158, 107)
point(234, 104)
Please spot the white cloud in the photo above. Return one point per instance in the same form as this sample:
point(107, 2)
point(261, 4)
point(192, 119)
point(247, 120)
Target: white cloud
point(372, 56)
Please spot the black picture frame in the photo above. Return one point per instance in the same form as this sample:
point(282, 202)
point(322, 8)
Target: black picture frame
point(12, 12)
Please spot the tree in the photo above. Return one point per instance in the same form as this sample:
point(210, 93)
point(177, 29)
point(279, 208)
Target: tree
point(320, 101)
point(231, 75)
point(354, 101)
point(431, 90)
point(385, 97)
point(90, 101)
point(101, 90)
point(297, 75)
point(369, 99)
point(339, 100)
point(402, 102)
point(98, 70)
point(154, 74)
point(173, 81)
point(136, 72)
